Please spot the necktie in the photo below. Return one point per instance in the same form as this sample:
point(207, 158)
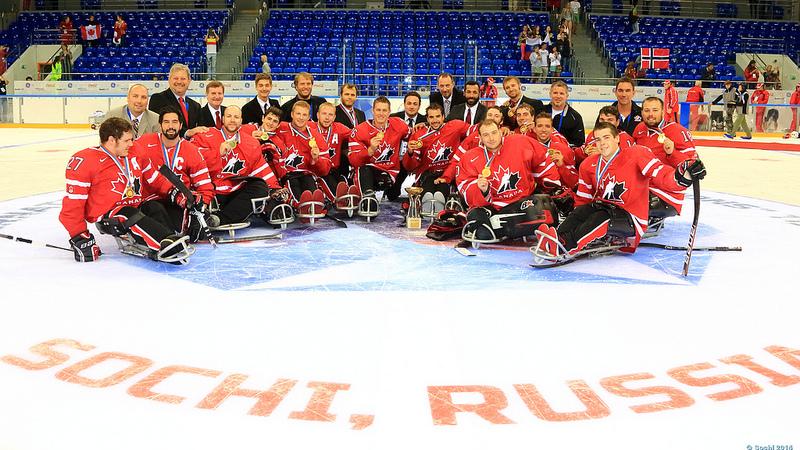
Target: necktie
point(136, 127)
point(185, 111)
point(411, 123)
point(266, 107)
point(468, 119)
point(219, 121)
point(446, 108)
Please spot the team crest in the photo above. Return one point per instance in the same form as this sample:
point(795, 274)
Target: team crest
point(508, 180)
point(120, 186)
point(386, 153)
point(233, 166)
point(614, 190)
point(440, 153)
point(294, 160)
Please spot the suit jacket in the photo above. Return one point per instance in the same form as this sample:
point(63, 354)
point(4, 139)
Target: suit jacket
point(165, 98)
point(314, 101)
point(252, 112)
point(457, 99)
point(402, 115)
point(207, 119)
point(457, 113)
point(344, 119)
point(511, 122)
point(147, 124)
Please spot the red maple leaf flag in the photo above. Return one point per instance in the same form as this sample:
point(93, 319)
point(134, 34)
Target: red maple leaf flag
point(90, 32)
point(655, 58)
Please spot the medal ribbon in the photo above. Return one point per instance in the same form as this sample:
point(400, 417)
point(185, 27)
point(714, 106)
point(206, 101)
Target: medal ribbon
point(171, 164)
point(328, 135)
point(600, 173)
point(126, 171)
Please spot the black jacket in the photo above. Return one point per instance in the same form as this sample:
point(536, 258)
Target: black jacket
point(252, 112)
point(570, 124)
point(167, 98)
point(344, 119)
point(457, 113)
point(417, 120)
point(457, 99)
point(314, 101)
point(511, 122)
point(630, 122)
point(207, 119)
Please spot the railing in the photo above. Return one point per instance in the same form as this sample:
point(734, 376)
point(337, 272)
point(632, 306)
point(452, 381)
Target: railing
point(121, 5)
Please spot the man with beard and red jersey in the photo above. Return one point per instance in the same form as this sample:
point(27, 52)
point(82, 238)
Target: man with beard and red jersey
point(498, 180)
point(607, 114)
point(334, 184)
point(612, 198)
point(430, 153)
point(557, 148)
point(374, 153)
point(237, 168)
point(304, 161)
point(183, 158)
point(104, 186)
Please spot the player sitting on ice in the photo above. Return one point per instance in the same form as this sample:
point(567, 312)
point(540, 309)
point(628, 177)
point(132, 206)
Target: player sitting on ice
point(608, 114)
point(303, 161)
point(374, 153)
point(612, 200)
point(242, 179)
point(183, 158)
point(334, 184)
point(524, 115)
point(104, 186)
point(429, 157)
point(498, 180)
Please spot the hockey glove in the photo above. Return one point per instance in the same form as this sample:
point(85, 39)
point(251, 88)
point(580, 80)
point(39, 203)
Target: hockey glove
point(177, 197)
point(689, 170)
point(84, 247)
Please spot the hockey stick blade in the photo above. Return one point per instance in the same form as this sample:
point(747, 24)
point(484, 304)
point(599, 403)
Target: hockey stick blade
point(176, 181)
point(720, 248)
point(462, 247)
point(693, 232)
point(33, 243)
point(260, 237)
point(339, 222)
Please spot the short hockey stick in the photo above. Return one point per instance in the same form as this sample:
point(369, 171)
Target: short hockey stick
point(34, 243)
point(693, 232)
point(175, 180)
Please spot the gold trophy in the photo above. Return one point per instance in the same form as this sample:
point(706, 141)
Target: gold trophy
point(413, 218)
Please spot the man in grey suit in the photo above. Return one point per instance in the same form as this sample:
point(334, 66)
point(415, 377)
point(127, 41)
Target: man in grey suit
point(143, 120)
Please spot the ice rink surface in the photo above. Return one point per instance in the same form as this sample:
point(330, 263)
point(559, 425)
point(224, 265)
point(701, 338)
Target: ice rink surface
point(374, 337)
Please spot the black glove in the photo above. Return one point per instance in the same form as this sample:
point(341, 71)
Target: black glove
point(177, 197)
point(84, 247)
point(695, 170)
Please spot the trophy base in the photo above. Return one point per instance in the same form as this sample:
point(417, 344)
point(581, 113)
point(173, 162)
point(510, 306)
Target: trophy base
point(414, 223)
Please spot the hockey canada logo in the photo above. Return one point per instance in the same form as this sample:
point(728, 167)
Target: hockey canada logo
point(233, 166)
point(614, 190)
point(294, 159)
point(386, 153)
point(440, 153)
point(120, 185)
point(508, 180)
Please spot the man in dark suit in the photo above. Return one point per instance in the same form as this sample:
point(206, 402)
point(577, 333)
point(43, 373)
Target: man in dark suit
point(410, 114)
point(513, 89)
point(175, 96)
point(346, 113)
point(253, 111)
point(211, 114)
point(447, 96)
point(473, 111)
point(303, 84)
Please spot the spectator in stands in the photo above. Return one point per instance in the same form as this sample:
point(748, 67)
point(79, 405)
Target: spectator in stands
point(566, 18)
point(175, 97)
point(564, 46)
point(524, 51)
point(211, 40)
point(575, 8)
point(696, 95)
point(66, 62)
point(555, 64)
point(566, 120)
point(3, 61)
point(56, 70)
point(793, 100)
point(346, 112)
point(212, 113)
point(547, 36)
point(66, 23)
point(120, 29)
point(630, 72)
point(512, 86)
point(92, 32)
point(448, 95)
point(534, 39)
point(633, 17)
point(670, 102)
point(136, 112)
point(772, 76)
point(751, 74)
point(630, 114)
point(542, 63)
point(265, 65)
point(708, 75)
point(254, 110)
point(303, 84)
point(489, 92)
point(760, 97)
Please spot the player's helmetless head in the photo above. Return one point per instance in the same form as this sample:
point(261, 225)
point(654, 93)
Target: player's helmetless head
point(349, 95)
point(116, 136)
point(272, 119)
point(607, 139)
point(512, 87)
point(445, 85)
point(624, 91)
point(435, 116)
point(411, 104)
point(137, 99)
point(652, 111)
point(495, 115)
point(543, 127)
point(326, 114)
point(300, 113)
point(263, 86)
point(179, 79)
point(170, 125)
point(490, 135)
point(472, 91)
point(232, 119)
point(608, 114)
point(215, 94)
point(380, 110)
point(524, 114)
point(303, 83)
point(558, 94)
point(667, 83)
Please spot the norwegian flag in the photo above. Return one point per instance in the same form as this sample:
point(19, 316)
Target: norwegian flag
point(90, 32)
point(655, 58)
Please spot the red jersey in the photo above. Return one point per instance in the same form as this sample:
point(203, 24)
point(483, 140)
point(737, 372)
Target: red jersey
point(760, 97)
point(684, 145)
point(567, 171)
point(623, 181)
point(472, 140)
point(695, 94)
point(296, 157)
point(387, 156)
point(670, 101)
point(184, 159)
point(438, 146)
point(515, 167)
point(625, 140)
point(336, 137)
point(98, 183)
point(795, 97)
point(244, 160)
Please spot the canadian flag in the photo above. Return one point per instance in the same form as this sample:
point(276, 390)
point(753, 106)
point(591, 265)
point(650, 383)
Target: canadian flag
point(655, 58)
point(90, 32)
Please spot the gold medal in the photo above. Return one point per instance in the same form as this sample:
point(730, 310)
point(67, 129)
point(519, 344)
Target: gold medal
point(380, 135)
point(510, 112)
point(129, 193)
point(264, 136)
point(550, 152)
point(419, 143)
point(523, 129)
point(486, 172)
point(231, 143)
point(662, 138)
point(312, 143)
